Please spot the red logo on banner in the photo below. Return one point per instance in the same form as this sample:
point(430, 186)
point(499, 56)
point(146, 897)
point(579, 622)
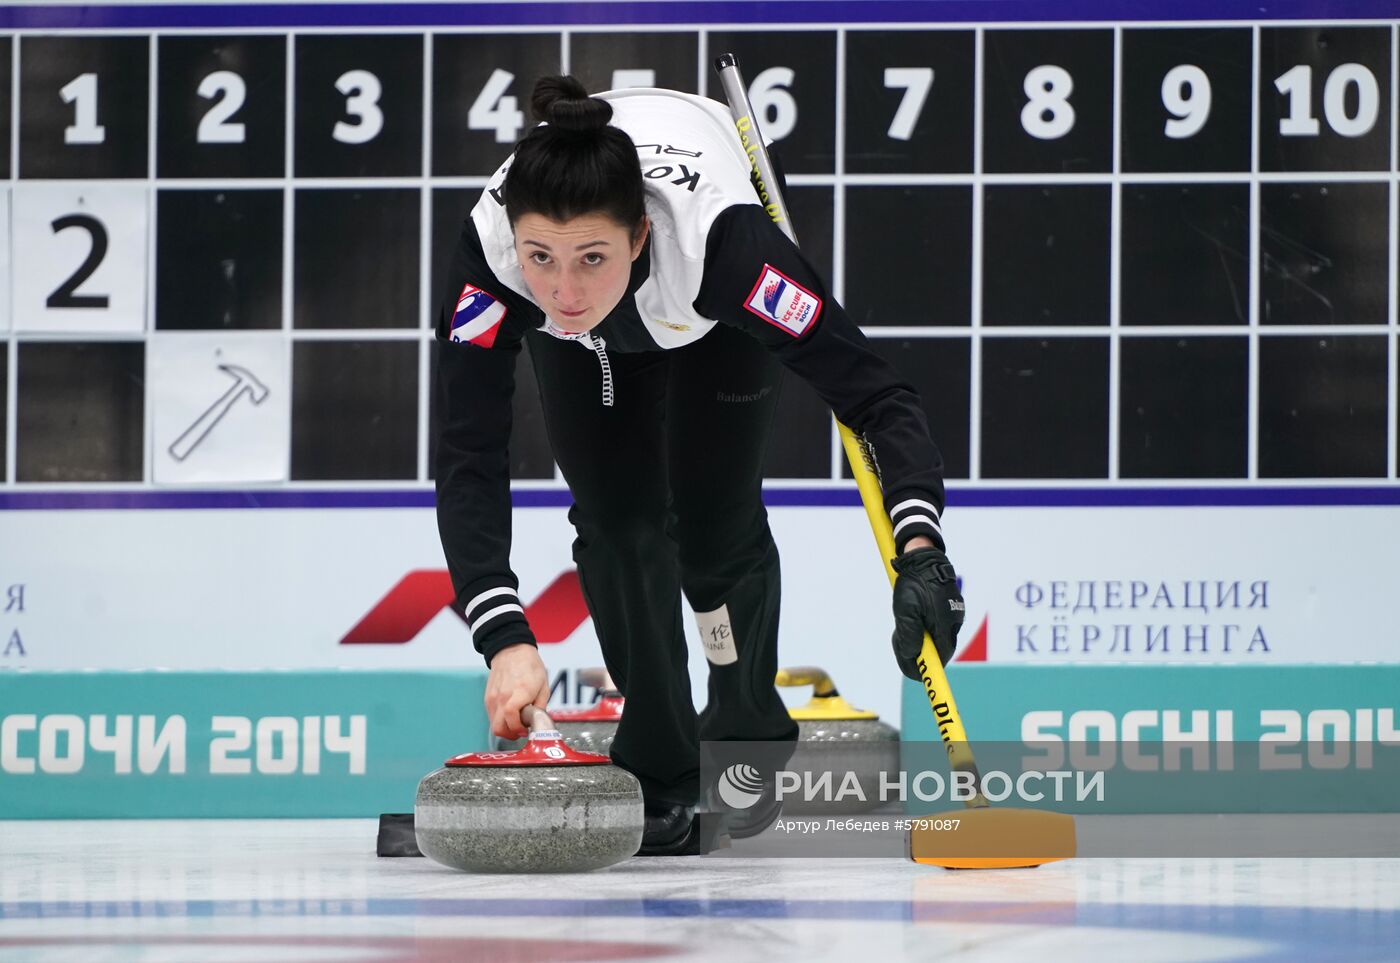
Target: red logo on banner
point(976, 648)
point(421, 595)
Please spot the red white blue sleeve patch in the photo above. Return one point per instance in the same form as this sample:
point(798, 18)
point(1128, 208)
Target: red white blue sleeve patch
point(478, 317)
point(782, 302)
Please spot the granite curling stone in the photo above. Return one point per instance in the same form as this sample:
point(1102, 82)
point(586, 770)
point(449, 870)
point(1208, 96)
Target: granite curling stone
point(546, 808)
point(837, 738)
point(591, 729)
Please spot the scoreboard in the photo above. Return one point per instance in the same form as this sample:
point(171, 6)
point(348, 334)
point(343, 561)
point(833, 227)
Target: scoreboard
point(1100, 251)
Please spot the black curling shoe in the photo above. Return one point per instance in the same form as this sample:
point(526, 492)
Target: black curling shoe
point(743, 823)
point(669, 830)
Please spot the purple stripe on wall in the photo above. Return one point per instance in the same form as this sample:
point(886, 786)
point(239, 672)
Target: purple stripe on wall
point(1008, 497)
point(644, 12)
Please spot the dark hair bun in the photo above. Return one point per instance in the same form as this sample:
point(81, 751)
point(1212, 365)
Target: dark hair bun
point(563, 102)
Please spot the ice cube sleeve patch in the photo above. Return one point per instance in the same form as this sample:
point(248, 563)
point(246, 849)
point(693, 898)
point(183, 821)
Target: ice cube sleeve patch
point(478, 317)
point(781, 301)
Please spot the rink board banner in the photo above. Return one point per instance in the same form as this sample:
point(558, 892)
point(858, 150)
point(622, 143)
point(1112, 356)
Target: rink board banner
point(353, 743)
point(367, 587)
point(229, 744)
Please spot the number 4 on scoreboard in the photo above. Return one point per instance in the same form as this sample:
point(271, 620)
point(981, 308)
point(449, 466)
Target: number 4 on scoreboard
point(495, 110)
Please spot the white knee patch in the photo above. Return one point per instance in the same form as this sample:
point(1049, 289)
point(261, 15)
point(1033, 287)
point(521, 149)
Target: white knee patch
point(717, 636)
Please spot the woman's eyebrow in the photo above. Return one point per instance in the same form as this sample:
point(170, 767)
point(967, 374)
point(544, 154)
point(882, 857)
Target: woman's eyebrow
point(581, 247)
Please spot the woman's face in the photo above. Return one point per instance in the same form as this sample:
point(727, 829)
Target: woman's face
point(577, 270)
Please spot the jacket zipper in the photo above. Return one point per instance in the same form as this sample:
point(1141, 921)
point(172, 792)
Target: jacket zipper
point(600, 349)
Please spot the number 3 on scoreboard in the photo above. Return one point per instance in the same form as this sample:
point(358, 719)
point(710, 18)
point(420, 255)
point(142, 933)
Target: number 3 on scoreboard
point(80, 258)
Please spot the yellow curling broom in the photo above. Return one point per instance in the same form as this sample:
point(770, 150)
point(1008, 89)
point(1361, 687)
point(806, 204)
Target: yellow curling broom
point(984, 838)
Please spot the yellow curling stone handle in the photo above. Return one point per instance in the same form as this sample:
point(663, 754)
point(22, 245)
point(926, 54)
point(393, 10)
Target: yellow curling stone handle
point(827, 704)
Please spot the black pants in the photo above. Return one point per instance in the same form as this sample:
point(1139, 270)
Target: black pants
point(667, 497)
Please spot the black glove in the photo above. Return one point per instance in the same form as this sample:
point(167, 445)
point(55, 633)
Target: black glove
point(926, 599)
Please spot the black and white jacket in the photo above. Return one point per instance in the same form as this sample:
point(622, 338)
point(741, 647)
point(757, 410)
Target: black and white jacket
point(714, 256)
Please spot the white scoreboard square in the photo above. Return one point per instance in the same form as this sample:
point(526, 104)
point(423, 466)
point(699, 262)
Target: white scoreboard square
point(221, 407)
point(80, 262)
point(5, 275)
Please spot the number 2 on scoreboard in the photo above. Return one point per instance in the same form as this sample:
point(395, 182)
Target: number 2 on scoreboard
point(65, 295)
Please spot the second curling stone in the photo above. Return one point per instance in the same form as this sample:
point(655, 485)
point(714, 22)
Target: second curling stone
point(837, 738)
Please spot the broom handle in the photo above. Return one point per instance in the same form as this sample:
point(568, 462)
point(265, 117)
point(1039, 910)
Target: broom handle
point(936, 688)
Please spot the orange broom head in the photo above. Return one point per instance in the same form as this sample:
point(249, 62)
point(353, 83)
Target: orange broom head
point(990, 838)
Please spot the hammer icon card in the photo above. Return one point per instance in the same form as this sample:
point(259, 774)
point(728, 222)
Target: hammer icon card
point(220, 408)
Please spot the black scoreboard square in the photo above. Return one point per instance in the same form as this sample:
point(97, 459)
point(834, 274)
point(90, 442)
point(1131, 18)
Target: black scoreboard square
point(354, 410)
point(1184, 408)
point(83, 106)
point(940, 370)
point(79, 411)
point(799, 444)
point(452, 206)
point(481, 96)
point(791, 76)
point(1186, 99)
point(909, 255)
point(222, 106)
point(909, 101)
point(1047, 101)
point(359, 105)
point(1322, 407)
point(1324, 98)
point(608, 61)
point(355, 258)
point(6, 86)
point(1045, 408)
point(530, 454)
point(1045, 254)
point(1323, 252)
point(1185, 254)
point(218, 259)
point(814, 221)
